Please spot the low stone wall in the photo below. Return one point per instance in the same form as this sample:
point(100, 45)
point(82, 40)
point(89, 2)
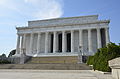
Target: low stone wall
point(115, 65)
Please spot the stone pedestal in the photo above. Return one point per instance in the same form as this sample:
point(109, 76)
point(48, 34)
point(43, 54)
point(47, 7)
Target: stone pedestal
point(22, 58)
point(115, 65)
point(19, 58)
point(80, 59)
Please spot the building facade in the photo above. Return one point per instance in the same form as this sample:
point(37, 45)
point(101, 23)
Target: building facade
point(63, 36)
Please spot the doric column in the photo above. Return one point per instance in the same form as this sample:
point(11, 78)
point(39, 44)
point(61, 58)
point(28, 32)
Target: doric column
point(80, 41)
point(18, 45)
point(80, 38)
point(107, 35)
point(46, 42)
point(38, 43)
point(63, 41)
point(54, 42)
point(31, 43)
point(24, 44)
point(24, 41)
point(72, 41)
point(89, 41)
point(99, 38)
point(21, 50)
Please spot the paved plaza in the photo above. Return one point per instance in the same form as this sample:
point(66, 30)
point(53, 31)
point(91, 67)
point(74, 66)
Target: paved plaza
point(51, 74)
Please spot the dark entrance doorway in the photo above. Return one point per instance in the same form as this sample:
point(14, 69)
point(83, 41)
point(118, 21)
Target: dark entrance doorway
point(51, 45)
point(103, 41)
point(69, 42)
point(60, 42)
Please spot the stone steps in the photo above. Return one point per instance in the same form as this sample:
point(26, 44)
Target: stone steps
point(49, 63)
point(81, 66)
point(53, 60)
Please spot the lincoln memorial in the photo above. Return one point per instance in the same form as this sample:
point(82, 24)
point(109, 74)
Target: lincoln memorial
point(67, 36)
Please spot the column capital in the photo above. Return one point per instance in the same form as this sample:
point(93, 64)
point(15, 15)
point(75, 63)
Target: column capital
point(39, 33)
point(46, 32)
point(31, 33)
point(106, 27)
point(54, 31)
point(24, 35)
point(80, 29)
point(89, 29)
point(98, 28)
point(63, 31)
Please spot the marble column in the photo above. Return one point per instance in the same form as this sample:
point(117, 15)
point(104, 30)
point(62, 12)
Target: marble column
point(80, 38)
point(46, 42)
point(31, 42)
point(63, 41)
point(21, 50)
point(18, 45)
point(24, 41)
point(80, 41)
point(54, 42)
point(72, 41)
point(89, 42)
point(99, 44)
point(107, 35)
point(38, 43)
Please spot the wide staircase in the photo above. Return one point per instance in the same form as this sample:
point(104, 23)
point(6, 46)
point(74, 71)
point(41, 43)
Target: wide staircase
point(53, 60)
point(50, 63)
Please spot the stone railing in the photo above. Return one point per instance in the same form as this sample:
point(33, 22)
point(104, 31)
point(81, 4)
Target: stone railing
point(115, 65)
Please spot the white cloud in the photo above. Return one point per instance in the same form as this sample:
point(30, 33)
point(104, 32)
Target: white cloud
point(37, 9)
point(46, 9)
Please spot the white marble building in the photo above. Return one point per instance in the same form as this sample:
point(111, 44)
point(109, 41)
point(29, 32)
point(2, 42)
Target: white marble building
point(63, 36)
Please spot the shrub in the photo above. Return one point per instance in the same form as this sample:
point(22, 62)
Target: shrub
point(101, 58)
point(4, 59)
point(5, 62)
point(90, 60)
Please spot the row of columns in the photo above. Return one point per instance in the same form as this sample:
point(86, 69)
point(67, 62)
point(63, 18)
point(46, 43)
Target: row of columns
point(22, 40)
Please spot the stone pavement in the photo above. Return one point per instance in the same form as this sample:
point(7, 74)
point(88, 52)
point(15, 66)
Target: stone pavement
point(51, 74)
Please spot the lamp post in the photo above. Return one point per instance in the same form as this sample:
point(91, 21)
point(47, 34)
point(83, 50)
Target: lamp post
point(80, 54)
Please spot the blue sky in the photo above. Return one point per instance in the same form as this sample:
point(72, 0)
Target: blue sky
point(17, 12)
